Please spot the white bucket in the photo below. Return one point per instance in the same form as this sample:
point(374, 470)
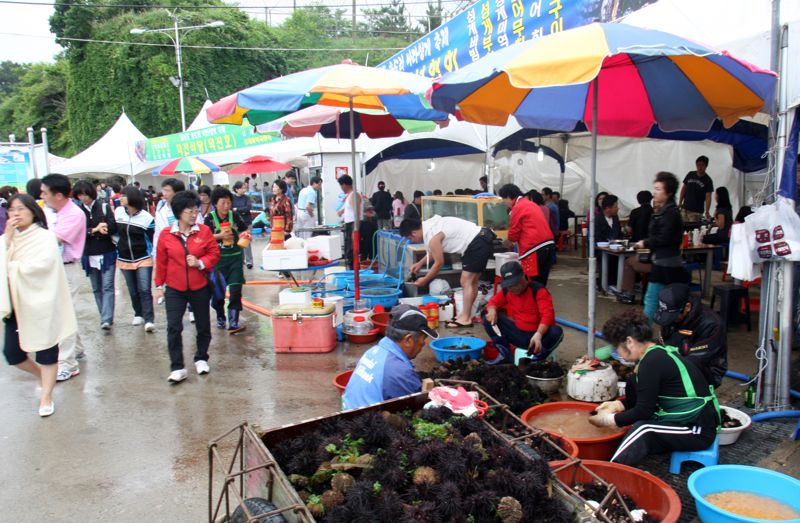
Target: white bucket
point(338, 303)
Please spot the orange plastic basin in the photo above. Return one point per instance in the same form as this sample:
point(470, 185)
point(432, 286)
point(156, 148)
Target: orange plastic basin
point(381, 321)
point(648, 492)
point(340, 380)
point(602, 447)
point(566, 444)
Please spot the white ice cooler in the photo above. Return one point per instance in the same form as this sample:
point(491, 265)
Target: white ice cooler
point(284, 259)
point(329, 247)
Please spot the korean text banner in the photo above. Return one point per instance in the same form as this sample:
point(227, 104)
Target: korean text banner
point(490, 25)
point(202, 141)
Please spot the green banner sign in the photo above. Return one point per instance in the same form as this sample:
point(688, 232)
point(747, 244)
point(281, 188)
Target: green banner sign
point(202, 141)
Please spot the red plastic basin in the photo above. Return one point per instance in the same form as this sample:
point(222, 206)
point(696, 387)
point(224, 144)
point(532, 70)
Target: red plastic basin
point(340, 380)
point(650, 493)
point(381, 321)
point(588, 448)
point(566, 444)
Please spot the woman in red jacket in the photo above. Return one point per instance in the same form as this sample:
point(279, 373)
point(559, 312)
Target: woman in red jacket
point(185, 255)
point(530, 231)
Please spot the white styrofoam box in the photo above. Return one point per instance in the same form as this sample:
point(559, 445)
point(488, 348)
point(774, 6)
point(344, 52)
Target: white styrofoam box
point(295, 296)
point(284, 259)
point(329, 247)
point(502, 257)
point(334, 270)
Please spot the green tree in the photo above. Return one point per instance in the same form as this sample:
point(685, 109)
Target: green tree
point(104, 79)
point(390, 19)
point(39, 100)
point(10, 75)
point(433, 17)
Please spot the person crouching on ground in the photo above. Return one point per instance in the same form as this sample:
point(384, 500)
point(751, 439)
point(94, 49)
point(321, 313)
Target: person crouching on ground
point(186, 253)
point(671, 405)
point(385, 371)
point(533, 325)
point(227, 226)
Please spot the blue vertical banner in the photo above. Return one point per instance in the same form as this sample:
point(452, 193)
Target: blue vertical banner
point(490, 25)
point(15, 165)
point(789, 177)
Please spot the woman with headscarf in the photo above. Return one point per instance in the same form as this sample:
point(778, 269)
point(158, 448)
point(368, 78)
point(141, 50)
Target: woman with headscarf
point(35, 300)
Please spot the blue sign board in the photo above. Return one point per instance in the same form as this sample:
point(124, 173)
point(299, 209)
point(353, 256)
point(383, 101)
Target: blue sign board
point(490, 25)
point(14, 167)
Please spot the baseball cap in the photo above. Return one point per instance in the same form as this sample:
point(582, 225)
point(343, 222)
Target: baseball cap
point(512, 273)
point(410, 318)
point(671, 301)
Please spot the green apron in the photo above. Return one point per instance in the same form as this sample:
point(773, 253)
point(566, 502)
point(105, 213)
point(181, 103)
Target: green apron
point(683, 409)
point(231, 262)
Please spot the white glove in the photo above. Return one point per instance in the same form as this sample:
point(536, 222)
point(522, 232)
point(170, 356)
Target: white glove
point(612, 406)
point(603, 418)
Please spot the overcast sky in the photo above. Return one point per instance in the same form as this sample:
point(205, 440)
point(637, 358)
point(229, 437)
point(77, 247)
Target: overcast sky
point(25, 30)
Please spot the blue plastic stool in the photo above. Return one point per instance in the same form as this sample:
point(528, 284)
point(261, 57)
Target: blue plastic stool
point(707, 457)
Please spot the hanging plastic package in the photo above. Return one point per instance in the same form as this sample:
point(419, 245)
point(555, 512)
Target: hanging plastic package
point(773, 232)
point(741, 264)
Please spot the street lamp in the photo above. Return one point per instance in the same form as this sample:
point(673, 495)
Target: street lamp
point(176, 41)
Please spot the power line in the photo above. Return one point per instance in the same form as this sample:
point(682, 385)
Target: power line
point(140, 7)
point(232, 48)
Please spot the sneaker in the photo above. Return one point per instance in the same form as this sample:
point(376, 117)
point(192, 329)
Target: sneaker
point(249, 265)
point(137, 320)
point(105, 326)
point(64, 375)
point(149, 326)
point(177, 376)
point(191, 317)
point(202, 367)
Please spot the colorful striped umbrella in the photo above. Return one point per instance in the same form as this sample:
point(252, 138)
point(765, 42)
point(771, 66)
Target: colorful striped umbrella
point(625, 79)
point(259, 164)
point(334, 122)
point(345, 85)
point(645, 78)
point(188, 165)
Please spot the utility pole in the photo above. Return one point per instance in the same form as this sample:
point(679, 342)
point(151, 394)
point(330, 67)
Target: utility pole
point(354, 23)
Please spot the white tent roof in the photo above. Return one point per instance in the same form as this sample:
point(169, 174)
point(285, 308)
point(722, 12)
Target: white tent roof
point(114, 153)
point(201, 120)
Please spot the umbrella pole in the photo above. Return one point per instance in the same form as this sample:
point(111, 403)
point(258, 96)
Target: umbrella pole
point(356, 203)
point(592, 299)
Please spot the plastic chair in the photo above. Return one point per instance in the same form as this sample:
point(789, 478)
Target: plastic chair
point(707, 457)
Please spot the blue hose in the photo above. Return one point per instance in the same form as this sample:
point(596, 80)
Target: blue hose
point(763, 416)
point(577, 326)
point(744, 377)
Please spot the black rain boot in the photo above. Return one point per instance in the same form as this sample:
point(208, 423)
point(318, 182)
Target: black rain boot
point(233, 322)
point(221, 319)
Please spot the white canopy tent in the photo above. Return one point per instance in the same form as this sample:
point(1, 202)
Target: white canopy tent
point(114, 153)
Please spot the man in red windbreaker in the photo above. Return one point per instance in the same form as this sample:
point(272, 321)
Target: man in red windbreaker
point(531, 232)
point(533, 326)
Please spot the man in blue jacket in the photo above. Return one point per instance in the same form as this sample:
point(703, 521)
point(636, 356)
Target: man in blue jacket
point(385, 371)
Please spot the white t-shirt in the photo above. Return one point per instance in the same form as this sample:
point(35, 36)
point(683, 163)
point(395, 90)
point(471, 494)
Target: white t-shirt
point(458, 233)
point(349, 216)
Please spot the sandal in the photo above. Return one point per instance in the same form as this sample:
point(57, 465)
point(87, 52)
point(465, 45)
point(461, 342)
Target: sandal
point(453, 324)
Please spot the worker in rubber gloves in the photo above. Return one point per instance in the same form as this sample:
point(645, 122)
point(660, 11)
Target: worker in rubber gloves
point(385, 371)
point(533, 326)
point(696, 330)
point(671, 405)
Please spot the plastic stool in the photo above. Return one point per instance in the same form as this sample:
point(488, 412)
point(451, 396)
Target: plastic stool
point(731, 297)
point(707, 457)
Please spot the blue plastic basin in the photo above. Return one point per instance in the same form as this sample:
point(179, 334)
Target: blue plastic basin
point(386, 297)
point(443, 354)
point(755, 480)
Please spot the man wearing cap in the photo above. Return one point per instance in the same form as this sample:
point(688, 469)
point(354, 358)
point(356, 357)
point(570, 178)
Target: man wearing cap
point(533, 325)
point(696, 330)
point(385, 371)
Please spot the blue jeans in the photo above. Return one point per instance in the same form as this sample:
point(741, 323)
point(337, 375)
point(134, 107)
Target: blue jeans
point(513, 335)
point(103, 288)
point(138, 282)
point(651, 299)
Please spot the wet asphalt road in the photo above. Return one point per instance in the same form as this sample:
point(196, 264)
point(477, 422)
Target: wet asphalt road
point(126, 446)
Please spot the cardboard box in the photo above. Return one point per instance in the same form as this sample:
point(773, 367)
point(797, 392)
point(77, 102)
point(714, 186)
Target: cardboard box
point(329, 247)
point(284, 259)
